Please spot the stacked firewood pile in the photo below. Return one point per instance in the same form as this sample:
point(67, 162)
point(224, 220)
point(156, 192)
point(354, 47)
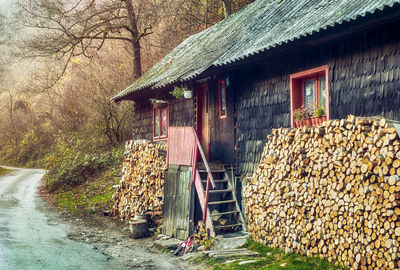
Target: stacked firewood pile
point(142, 183)
point(332, 190)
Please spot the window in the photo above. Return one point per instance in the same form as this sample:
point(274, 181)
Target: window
point(160, 123)
point(314, 92)
point(309, 89)
point(222, 98)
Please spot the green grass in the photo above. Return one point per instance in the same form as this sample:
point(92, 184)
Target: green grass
point(95, 194)
point(4, 171)
point(269, 259)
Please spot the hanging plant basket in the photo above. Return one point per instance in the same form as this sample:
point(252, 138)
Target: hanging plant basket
point(188, 94)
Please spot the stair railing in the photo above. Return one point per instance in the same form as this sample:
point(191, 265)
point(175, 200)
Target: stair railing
point(210, 180)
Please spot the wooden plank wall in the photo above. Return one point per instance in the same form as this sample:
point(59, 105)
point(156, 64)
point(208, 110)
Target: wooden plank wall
point(181, 143)
point(177, 209)
point(181, 113)
point(143, 125)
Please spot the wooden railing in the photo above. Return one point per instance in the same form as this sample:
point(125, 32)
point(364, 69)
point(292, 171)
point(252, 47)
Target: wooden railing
point(210, 180)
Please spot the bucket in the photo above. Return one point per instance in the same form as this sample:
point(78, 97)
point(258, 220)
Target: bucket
point(141, 217)
point(138, 228)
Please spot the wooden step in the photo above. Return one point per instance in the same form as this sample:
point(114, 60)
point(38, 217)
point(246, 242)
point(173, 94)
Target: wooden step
point(220, 190)
point(221, 202)
point(212, 171)
point(225, 213)
point(216, 181)
point(228, 226)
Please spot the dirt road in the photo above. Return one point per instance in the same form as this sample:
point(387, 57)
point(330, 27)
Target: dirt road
point(33, 235)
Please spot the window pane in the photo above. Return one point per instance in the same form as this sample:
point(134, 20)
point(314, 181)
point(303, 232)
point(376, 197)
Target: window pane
point(223, 98)
point(156, 123)
point(164, 122)
point(309, 93)
point(322, 92)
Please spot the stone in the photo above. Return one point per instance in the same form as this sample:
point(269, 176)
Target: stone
point(246, 262)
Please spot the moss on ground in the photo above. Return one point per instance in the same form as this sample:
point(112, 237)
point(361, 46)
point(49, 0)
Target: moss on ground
point(93, 195)
point(4, 171)
point(269, 259)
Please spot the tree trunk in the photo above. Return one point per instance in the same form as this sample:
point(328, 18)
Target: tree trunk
point(133, 29)
point(137, 60)
point(227, 7)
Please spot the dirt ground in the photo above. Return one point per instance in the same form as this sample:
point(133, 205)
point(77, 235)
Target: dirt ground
point(112, 238)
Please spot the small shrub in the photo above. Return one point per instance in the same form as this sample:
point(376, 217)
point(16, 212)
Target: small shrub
point(73, 161)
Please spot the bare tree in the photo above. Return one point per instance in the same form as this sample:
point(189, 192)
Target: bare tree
point(68, 29)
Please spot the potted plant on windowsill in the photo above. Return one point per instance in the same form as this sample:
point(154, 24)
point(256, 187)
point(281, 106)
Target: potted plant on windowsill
point(302, 117)
point(297, 117)
point(307, 119)
point(319, 115)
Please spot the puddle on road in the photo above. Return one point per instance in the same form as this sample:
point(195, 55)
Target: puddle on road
point(31, 238)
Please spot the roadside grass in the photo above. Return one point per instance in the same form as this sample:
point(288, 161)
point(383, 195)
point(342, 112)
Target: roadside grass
point(94, 195)
point(269, 259)
point(4, 171)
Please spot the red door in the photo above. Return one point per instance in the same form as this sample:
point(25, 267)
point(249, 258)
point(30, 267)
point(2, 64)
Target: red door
point(203, 130)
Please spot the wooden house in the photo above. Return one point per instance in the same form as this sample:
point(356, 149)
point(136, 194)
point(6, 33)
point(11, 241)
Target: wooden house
point(252, 71)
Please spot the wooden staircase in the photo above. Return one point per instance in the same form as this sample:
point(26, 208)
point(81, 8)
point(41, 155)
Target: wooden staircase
point(217, 197)
point(222, 209)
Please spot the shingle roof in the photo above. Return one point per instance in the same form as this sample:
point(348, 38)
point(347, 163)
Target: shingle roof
point(258, 27)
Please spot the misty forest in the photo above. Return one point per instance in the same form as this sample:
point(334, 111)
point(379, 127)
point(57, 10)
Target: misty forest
point(61, 62)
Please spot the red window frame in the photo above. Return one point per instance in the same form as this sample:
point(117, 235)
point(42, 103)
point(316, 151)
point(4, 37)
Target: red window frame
point(222, 99)
point(296, 89)
point(158, 111)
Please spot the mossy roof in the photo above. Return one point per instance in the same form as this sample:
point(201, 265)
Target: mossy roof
point(258, 27)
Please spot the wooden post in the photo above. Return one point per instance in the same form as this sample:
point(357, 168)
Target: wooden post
point(206, 200)
point(194, 162)
point(233, 181)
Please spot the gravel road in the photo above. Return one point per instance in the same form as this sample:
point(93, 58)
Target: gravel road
point(33, 235)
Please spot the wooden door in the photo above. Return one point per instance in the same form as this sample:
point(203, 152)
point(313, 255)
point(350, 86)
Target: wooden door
point(178, 206)
point(203, 123)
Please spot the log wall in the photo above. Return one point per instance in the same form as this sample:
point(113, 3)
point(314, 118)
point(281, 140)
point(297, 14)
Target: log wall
point(332, 190)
